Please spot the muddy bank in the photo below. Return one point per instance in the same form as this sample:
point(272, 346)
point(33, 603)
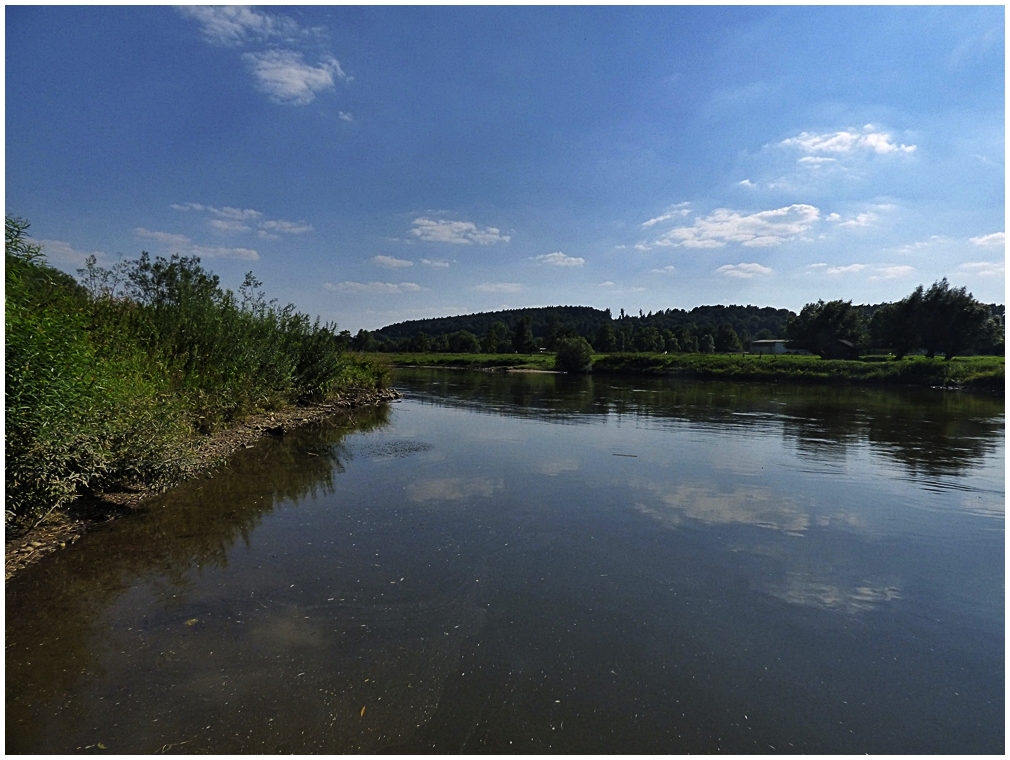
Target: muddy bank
point(66, 526)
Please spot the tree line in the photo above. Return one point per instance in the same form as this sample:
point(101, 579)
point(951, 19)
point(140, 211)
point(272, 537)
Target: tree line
point(941, 320)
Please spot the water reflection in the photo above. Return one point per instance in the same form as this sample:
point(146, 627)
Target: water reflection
point(931, 433)
point(547, 564)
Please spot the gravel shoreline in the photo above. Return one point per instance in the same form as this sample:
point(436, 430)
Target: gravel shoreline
point(65, 526)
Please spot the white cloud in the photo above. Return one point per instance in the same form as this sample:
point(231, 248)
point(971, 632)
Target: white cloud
point(642, 247)
point(892, 273)
point(232, 25)
point(849, 269)
point(995, 240)
point(229, 225)
point(744, 271)
point(388, 262)
point(983, 268)
point(373, 287)
point(669, 269)
point(680, 209)
point(761, 229)
point(816, 162)
point(865, 219)
point(58, 252)
point(847, 142)
point(435, 263)
point(607, 284)
point(459, 233)
point(228, 219)
point(224, 212)
point(287, 228)
point(344, 116)
point(287, 79)
point(746, 183)
point(558, 259)
point(498, 287)
point(184, 246)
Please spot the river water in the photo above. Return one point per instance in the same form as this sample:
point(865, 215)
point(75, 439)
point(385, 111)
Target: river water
point(536, 563)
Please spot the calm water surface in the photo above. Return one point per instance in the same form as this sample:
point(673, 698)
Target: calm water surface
point(534, 563)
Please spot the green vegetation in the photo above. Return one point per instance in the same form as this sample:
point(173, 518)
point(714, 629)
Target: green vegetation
point(974, 372)
point(942, 320)
point(110, 382)
point(978, 372)
point(574, 355)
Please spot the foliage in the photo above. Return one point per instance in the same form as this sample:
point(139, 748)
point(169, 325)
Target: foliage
point(106, 381)
point(820, 325)
point(941, 320)
point(522, 337)
point(497, 339)
point(896, 325)
point(574, 355)
point(981, 372)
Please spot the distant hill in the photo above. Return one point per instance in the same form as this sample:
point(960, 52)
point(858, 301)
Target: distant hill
point(747, 321)
point(584, 319)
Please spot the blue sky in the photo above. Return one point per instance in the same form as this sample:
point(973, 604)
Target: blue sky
point(373, 165)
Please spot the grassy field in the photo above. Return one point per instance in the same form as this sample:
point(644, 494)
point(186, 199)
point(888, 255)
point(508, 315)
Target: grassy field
point(976, 372)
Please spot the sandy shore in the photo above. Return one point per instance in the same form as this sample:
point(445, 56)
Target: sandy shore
point(66, 526)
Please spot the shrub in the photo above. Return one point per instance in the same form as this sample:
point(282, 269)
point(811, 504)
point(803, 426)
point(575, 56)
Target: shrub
point(574, 355)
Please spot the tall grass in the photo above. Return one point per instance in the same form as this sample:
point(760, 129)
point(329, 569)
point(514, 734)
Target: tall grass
point(108, 384)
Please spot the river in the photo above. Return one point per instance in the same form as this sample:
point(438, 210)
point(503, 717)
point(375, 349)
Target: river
point(539, 563)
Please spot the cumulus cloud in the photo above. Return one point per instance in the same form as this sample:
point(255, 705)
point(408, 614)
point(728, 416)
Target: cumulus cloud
point(459, 233)
point(344, 116)
point(892, 273)
point(373, 287)
point(744, 271)
point(498, 287)
point(983, 268)
point(865, 219)
point(761, 229)
point(171, 243)
point(678, 210)
point(228, 219)
point(435, 263)
point(284, 227)
point(59, 252)
point(389, 262)
point(849, 269)
point(233, 25)
point(558, 259)
point(995, 240)
point(847, 141)
point(287, 79)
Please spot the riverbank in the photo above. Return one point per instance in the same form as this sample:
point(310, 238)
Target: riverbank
point(66, 525)
point(981, 373)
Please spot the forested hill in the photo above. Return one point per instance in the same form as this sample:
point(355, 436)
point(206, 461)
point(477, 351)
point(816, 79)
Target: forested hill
point(586, 321)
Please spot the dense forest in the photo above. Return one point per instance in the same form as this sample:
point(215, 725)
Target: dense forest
point(911, 325)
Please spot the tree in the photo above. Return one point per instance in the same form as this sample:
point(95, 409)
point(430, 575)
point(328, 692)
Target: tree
point(606, 339)
point(464, 342)
point(707, 343)
point(574, 355)
point(670, 342)
point(726, 339)
point(420, 343)
point(363, 341)
point(952, 320)
point(649, 339)
point(819, 326)
point(896, 325)
point(497, 338)
point(522, 337)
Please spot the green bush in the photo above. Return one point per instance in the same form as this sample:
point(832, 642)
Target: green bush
point(574, 355)
point(107, 386)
